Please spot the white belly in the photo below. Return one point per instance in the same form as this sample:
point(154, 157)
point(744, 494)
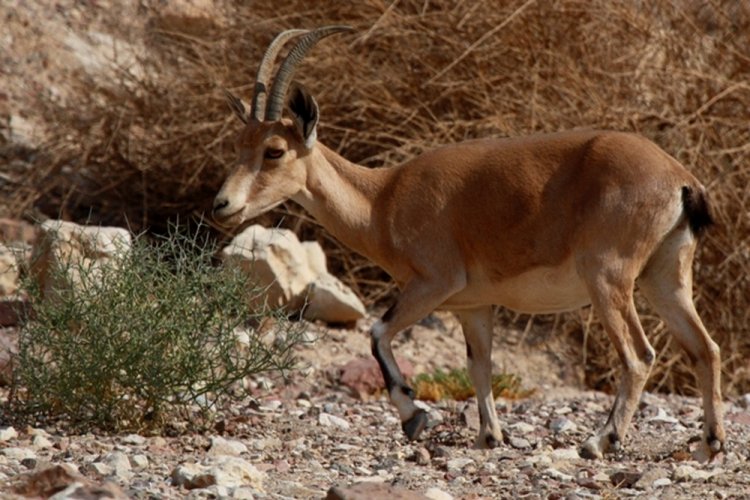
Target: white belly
point(540, 290)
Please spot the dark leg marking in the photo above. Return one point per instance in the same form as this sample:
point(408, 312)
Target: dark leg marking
point(491, 441)
point(468, 351)
point(388, 314)
point(390, 382)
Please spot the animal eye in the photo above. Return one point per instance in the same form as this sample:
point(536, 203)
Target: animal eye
point(274, 154)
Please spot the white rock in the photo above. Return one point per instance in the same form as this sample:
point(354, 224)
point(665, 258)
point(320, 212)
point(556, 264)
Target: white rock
point(220, 471)
point(234, 471)
point(40, 442)
point(457, 464)
point(328, 420)
point(561, 424)
point(292, 274)
point(316, 257)
point(559, 476)
point(78, 250)
point(19, 454)
point(662, 482)
point(563, 410)
point(684, 473)
point(744, 401)
point(437, 494)
point(120, 464)
point(244, 493)
point(7, 433)
point(134, 439)
point(662, 417)
point(139, 461)
point(185, 474)
point(329, 300)
point(99, 469)
point(275, 260)
point(523, 427)
point(565, 454)
point(222, 446)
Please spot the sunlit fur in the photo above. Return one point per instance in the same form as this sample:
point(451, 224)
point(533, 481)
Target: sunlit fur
point(540, 224)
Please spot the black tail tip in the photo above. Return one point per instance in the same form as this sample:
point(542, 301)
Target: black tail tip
point(697, 209)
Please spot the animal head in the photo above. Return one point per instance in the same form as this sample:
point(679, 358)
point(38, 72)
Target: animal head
point(271, 149)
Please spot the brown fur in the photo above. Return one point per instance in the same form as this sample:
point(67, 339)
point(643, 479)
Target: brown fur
point(539, 224)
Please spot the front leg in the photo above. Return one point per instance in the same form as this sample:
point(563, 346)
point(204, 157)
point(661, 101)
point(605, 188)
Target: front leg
point(477, 327)
point(419, 298)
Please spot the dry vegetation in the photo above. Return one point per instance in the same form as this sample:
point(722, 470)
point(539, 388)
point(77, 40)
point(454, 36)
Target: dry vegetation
point(419, 73)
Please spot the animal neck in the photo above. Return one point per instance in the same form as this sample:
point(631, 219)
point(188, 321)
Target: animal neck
point(340, 195)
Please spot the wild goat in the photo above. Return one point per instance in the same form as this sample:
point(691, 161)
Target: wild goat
point(538, 224)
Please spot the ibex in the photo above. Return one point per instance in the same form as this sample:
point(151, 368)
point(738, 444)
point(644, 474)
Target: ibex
point(538, 224)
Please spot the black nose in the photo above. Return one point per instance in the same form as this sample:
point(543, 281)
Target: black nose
point(220, 204)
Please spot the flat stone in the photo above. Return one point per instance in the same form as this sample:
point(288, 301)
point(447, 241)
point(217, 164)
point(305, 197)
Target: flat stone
point(18, 454)
point(457, 464)
point(371, 490)
point(522, 427)
point(40, 442)
point(565, 454)
point(7, 433)
point(99, 469)
point(422, 456)
point(686, 473)
point(646, 481)
point(120, 463)
point(134, 439)
point(662, 417)
point(662, 482)
point(222, 446)
point(559, 476)
point(625, 478)
point(139, 461)
point(437, 494)
point(328, 420)
point(519, 443)
point(561, 424)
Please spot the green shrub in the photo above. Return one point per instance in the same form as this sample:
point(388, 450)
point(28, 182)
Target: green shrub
point(144, 338)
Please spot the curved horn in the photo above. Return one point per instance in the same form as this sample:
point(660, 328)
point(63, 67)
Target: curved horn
point(284, 74)
point(265, 68)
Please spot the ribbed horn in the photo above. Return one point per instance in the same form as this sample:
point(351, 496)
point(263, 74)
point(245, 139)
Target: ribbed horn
point(284, 75)
point(266, 67)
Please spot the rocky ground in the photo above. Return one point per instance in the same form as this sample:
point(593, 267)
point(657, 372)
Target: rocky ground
point(300, 438)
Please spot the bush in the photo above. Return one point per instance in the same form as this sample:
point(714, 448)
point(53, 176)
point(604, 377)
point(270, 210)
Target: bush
point(143, 338)
point(456, 385)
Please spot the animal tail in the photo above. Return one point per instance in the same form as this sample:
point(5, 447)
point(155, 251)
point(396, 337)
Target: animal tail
point(697, 208)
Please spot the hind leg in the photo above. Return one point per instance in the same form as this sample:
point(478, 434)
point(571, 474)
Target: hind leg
point(612, 298)
point(667, 283)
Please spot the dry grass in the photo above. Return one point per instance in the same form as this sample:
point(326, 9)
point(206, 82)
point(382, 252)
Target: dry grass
point(419, 73)
point(456, 385)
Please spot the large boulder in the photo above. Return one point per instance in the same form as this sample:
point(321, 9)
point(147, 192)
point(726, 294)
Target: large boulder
point(80, 251)
point(293, 275)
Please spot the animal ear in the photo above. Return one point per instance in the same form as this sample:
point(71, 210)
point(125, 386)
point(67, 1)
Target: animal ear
point(305, 114)
point(237, 106)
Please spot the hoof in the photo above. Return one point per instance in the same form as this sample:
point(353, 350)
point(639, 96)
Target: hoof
point(487, 442)
point(415, 425)
point(591, 450)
